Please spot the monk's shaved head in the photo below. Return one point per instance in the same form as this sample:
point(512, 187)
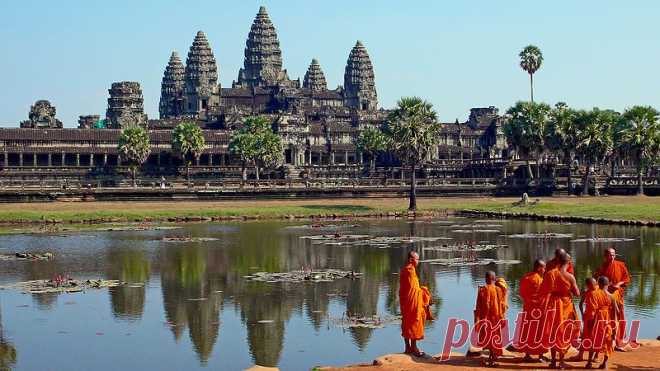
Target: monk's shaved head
point(564, 258)
point(609, 254)
point(590, 283)
point(413, 257)
point(538, 263)
point(559, 251)
point(603, 281)
point(490, 276)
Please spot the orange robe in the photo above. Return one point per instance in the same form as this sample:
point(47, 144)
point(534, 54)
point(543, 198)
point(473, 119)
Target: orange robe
point(554, 263)
point(560, 324)
point(530, 285)
point(491, 308)
point(616, 272)
point(598, 326)
point(414, 301)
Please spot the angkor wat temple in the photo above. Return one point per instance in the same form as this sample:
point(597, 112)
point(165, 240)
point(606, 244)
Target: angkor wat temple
point(318, 125)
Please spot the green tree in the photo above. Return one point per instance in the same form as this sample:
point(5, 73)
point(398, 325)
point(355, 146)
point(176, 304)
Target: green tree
point(412, 129)
point(134, 148)
point(531, 59)
point(640, 135)
point(526, 129)
point(256, 143)
point(594, 140)
point(562, 137)
point(188, 142)
point(371, 141)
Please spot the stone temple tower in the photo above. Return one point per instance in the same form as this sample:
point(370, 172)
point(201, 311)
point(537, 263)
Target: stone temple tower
point(201, 91)
point(314, 77)
point(262, 65)
point(172, 89)
point(125, 105)
point(359, 81)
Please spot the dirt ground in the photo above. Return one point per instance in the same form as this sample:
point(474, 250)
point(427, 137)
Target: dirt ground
point(646, 357)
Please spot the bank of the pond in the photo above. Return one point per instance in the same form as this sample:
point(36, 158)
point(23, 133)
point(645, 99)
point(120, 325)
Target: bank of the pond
point(614, 209)
point(643, 358)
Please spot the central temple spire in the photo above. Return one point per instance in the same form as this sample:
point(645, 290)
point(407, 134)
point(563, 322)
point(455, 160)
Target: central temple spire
point(201, 78)
point(262, 65)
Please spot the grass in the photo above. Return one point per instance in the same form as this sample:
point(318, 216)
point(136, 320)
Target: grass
point(624, 207)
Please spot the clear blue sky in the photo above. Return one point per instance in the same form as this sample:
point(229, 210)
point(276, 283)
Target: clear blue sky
point(457, 54)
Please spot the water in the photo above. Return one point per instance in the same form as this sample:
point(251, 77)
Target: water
point(153, 324)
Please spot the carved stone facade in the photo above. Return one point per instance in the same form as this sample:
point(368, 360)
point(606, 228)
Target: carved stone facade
point(201, 79)
point(125, 105)
point(359, 80)
point(42, 116)
point(172, 88)
point(314, 78)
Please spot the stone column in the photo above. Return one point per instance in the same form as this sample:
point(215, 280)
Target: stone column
point(197, 160)
point(346, 158)
point(210, 159)
point(77, 159)
point(6, 159)
point(222, 159)
point(34, 160)
point(332, 158)
point(20, 159)
point(63, 158)
point(91, 160)
point(50, 159)
point(158, 159)
point(362, 158)
point(105, 159)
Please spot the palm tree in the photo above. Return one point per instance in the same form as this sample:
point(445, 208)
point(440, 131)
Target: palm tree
point(531, 59)
point(594, 139)
point(134, 148)
point(256, 143)
point(526, 129)
point(640, 134)
point(412, 129)
point(562, 137)
point(371, 141)
point(188, 142)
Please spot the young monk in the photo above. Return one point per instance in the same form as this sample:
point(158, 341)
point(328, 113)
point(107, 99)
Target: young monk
point(618, 276)
point(555, 262)
point(414, 301)
point(489, 316)
point(560, 323)
point(530, 285)
point(598, 320)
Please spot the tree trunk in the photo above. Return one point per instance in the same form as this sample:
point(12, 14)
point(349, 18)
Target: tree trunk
point(529, 169)
point(640, 181)
point(531, 86)
point(585, 182)
point(256, 171)
point(133, 170)
point(569, 179)
point(413, 190)
point(243, 171)
point(372, 164)
point(188, 173)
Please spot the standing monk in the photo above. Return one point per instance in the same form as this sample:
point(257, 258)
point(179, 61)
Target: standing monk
point(598, 317)
point(560, 324)
point(555, 263)
point(415, 301)
point(617, 274)
point(489, 316)
point(530, 285)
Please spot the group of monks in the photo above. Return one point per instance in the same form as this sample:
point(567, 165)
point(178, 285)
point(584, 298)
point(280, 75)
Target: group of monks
point(549, 319)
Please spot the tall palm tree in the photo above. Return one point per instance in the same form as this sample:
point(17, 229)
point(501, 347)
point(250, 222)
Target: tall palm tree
point(640, 134)
point(562, 137)
point(594, 139)
point(525, 130)
point(531, 59)
point(134, 148)
point(412, 129)
point(188, 141)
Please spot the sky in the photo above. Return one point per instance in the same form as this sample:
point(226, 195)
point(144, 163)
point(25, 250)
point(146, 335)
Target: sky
point(455, 54)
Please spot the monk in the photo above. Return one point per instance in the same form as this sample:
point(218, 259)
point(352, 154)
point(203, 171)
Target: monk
point(414, 301)
point(530, 285)
point(554, 262)
point(489, 316)
point(617, 274)
point(560, 323)
point(598, 320)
